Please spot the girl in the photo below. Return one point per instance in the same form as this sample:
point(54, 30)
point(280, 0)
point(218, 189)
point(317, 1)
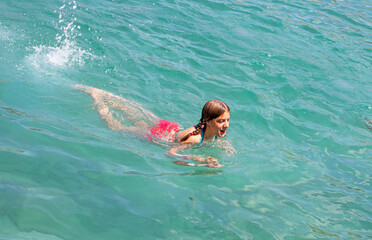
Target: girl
point(115, 110)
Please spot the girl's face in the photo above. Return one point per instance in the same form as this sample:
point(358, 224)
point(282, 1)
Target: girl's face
point(219, 125)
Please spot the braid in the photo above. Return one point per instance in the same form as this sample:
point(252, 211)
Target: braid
point(197, 131)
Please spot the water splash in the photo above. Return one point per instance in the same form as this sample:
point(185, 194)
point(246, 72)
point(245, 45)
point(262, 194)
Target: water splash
point(66, 52)
point(66, 55)
point(8, 36)
point(4, 33)
point(67, 35)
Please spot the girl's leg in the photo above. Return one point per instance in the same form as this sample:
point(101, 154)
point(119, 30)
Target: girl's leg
point(107, 102)
point(106, 115)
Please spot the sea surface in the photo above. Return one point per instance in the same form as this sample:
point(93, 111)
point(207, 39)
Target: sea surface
point(296, 75)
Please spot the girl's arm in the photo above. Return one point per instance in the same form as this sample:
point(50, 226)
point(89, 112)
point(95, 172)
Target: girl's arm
point(226, 146)
point(207, 161)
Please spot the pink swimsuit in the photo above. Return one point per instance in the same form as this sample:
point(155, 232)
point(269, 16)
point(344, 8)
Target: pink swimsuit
point(163, 130)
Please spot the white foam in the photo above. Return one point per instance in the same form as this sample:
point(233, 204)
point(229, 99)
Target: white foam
point(5, 34)
point(65, 53)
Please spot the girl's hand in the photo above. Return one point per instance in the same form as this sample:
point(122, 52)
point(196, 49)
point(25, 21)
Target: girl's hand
point(209, 162)
point(212, 162)
point(195, 158)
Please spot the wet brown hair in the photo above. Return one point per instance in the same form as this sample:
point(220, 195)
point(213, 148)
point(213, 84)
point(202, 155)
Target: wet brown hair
point(211, 110)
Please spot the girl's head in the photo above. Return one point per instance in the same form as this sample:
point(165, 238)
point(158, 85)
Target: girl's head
point(213, 109)
point(215, 116)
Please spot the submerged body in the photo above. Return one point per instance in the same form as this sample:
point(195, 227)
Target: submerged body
point(115, 110)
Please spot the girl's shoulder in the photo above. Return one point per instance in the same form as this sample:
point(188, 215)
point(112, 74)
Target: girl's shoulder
point(191, 139)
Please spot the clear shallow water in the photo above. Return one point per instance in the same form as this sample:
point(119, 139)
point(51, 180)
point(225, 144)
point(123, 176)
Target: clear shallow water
point(296, 75)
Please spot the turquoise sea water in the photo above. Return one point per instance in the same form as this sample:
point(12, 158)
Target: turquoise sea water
point(296, 75)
